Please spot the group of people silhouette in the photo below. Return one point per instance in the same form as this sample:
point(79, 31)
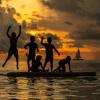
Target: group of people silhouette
point(31, 56)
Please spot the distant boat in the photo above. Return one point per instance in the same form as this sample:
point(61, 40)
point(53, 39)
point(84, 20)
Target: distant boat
point(78, 55)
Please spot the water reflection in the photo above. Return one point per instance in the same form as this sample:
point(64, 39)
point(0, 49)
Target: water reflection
point(42, 89)
point(85, 88)
point(32, 88)
point(48, 89)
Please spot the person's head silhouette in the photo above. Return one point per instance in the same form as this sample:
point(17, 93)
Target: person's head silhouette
point(49, 40)
point(32, 38)
point(38, 58)
point(13, 35)
point(68, 58)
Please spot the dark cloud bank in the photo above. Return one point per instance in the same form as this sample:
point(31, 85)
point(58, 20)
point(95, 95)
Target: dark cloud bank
point(86, 14)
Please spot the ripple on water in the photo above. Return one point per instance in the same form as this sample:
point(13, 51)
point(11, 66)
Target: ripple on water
point(48, 89)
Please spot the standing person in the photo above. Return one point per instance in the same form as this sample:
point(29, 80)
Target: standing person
point(32, 51)
point(13, 45)
point(49, 52)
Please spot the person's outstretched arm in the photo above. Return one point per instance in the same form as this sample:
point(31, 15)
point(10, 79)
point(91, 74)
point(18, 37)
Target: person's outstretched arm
point(56, 51)
point(26, 45)
point(42, 40)
point(8, 32)
point(19, 32)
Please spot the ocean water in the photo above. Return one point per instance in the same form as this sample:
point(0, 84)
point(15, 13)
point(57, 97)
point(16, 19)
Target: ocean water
point(40, 88)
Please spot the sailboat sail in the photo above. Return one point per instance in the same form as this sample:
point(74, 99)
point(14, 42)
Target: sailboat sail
point(78, 55)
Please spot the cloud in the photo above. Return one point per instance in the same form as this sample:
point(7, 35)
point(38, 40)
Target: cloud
point(56, 39)
point(53, 36)
point(79, 9)
point(29, 25)
point(83, 7)
point(0, 1)
point(79, 18)
point(89, 36)
point(68, 23)
point(64, 5)
point(82, 20)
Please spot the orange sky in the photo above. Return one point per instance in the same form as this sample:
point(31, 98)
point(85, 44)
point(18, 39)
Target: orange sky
point(27, 10)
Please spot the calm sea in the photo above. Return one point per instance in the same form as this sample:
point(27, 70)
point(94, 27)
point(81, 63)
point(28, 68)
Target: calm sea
point(78, 88)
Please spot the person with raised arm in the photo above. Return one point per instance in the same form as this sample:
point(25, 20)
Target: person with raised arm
point(32, 51)
point(13, 45)
point(49, 52)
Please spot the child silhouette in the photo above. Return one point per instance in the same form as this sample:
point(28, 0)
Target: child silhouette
point(49, 52)
point(62, 63)
point(36, 64)
point(32, 50)
point(13, 45)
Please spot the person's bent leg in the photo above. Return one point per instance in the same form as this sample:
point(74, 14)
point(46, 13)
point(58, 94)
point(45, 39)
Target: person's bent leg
point(44, 65)
point(9, 56)
point(16, 56)
point(69, 67)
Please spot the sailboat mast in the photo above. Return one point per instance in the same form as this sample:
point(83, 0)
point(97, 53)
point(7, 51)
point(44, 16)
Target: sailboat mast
point(78, 55)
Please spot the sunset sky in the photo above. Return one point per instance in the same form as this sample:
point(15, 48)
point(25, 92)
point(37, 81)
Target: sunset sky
point(71, 24)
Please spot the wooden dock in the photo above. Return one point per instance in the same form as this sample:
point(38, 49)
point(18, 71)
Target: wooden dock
point(50, 74)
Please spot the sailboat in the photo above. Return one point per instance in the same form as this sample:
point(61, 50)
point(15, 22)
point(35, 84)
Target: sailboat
point(78, 55)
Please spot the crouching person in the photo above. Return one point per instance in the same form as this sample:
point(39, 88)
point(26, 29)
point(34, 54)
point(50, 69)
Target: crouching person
point(62, 63)
point(37, 65)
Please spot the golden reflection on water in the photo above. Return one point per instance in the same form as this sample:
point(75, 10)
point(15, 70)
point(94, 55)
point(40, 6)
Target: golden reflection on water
point(37, 88)
point(47, 89)
point(26, 89)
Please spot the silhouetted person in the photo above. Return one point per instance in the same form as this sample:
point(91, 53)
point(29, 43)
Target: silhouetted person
point(37, 65)
point(49, 52)
point(13, 45)
point(32, 50)
point(62, 63)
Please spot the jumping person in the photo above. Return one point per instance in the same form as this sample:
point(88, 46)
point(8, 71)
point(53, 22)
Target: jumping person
point(13, 45)
point(32, 51)
point(62, 63)
point(49, 52)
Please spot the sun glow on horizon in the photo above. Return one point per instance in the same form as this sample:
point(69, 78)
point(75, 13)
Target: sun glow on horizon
point(32, 11)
